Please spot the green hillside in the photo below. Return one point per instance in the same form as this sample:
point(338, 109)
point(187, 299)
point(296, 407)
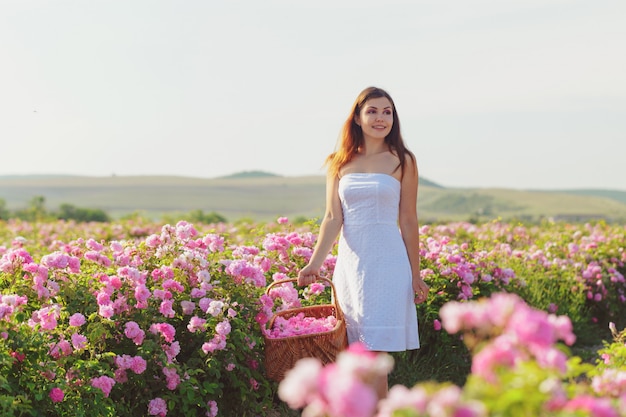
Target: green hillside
point(611, 194)
point(262, 196)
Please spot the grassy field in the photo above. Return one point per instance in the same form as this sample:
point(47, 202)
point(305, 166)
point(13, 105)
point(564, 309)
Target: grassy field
point(266, 197)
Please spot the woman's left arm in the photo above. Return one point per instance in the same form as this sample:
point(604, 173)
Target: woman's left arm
point(409, 226)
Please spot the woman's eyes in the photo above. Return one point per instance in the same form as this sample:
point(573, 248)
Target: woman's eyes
point(386, 112)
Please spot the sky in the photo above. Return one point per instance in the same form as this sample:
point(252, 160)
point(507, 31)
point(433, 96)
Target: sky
point(524, 94)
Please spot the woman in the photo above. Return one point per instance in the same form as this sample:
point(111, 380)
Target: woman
point(371, 189)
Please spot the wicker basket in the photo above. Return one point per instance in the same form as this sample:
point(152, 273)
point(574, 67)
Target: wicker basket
point(281, 354)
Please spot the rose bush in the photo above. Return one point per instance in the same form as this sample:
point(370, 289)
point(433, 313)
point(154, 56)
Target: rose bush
point(518, 369)
point(136, 317)
point(132, 327)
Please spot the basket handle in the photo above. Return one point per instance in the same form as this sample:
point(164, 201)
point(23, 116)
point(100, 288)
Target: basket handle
point(332, 288)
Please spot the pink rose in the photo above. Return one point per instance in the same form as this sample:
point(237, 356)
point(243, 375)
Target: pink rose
point(134, 332)
point(138, 365)
point(437, 325)
point(77, 320)
point(104, 383)
point(188, 307)
point(157, 407)
point(172, 378)
point(165, 329)
point(196, 324)
point(56, 395)
point(79, 341)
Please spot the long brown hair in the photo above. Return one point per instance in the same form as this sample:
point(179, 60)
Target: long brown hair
point(351, 136)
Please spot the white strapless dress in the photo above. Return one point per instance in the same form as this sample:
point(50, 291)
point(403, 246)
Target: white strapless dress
point(372, 275)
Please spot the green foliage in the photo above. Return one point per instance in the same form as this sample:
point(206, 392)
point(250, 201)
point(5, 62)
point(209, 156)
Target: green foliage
point(196, 217)
point(35, 212)
point(69, 212)
point(4, 212)
point(613, 354)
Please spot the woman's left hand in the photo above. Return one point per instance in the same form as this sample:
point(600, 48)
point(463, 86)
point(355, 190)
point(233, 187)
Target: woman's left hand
point(420, 289)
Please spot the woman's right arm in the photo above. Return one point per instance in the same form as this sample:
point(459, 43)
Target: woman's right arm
point(329, 230)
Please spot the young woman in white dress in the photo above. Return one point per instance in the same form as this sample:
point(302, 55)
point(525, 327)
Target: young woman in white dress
point(371, 204)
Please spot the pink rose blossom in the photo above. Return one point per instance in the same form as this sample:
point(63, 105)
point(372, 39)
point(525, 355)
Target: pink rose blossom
point(197, 293)
point(153, 241)
point(597, 407)
point(172, 378)
point(142, 294)
point(188, 307)
point(242, 271)
point(165, 329)
point(157, 407)
point(215, 308)
point(223, 328)
point(204, 276)
point(403, 398)
point(138, 365)
point(134, 332)
point(104, 383)
point(77, 320)
point(46, 317)
point(166, 308)
point(173, 285)
point(162, 294)
point(56, 395)
point(106, 310)
point(217, 343)
point(214, 243)
point(185, 230)
point(300, 325)
point(93, 245)
point(123, 361)
point(212, 406)
point(196, 324)
point(612, 382)
point(120, 376)
point(60, 349)
point(300, 385)
point(171, 351)
point(204, 304)
point(501, 352)
point(78, 341)
point(345, 394)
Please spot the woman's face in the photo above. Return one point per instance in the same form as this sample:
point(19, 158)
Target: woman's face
point(376, 118)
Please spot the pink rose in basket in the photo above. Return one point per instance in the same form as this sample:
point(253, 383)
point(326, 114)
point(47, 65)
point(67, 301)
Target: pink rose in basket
point(300, 325)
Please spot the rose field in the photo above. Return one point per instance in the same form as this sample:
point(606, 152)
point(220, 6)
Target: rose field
point(140, 318)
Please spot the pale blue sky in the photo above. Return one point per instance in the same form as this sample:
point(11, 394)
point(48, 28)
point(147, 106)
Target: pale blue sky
point(490, 93)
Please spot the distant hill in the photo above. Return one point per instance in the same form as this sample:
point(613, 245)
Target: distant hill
point(264, 196)
point(36, 176)
point(428, 183)
point(249, 174)
point(264, 174)
point(612, 194)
